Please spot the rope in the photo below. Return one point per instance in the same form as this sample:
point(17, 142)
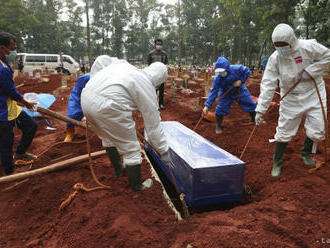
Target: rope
point(181, 195)
point(220, 98)
point(79, 186)
point(21, 163)
point(239, 95)
point(200, 119)
point(58, 143)
point(255, 127)
point(251, 134)
point(91, 163)
point(319, 165)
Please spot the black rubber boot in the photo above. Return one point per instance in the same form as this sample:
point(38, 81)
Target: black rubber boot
point(306, 152)
point(278, 158)
point(135, 180)
point(253, 115)
point(218, 128)
point(114, 157)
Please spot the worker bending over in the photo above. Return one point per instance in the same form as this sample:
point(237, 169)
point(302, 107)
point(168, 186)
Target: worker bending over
point(294, 60)
point(229, 76)
point(74, 108)
point(108, 101)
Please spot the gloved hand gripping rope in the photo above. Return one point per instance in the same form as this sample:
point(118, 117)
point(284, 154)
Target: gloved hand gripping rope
point(259, 121)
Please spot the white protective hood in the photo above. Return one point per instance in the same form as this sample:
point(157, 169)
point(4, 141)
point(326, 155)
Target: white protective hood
point(156, 73)
point(284, 32)
point(101, 62)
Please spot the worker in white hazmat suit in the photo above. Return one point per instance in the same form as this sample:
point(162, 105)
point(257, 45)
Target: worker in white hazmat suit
point(108, 101)
point(294, 60)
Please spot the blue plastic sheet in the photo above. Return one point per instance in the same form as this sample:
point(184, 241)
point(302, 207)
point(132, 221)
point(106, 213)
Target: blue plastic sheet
point(44, 101)
point(204, 172)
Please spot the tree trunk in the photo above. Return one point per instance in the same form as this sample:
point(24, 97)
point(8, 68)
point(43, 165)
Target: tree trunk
point(88, 35)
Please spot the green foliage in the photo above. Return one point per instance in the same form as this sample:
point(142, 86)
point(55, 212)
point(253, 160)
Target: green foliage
point(15, 19)
point(315, 20)
point(197, 31)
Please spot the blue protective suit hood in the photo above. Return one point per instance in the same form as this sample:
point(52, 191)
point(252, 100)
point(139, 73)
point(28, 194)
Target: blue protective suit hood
point(222, 62)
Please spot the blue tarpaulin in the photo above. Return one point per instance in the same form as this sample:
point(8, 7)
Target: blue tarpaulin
point(44, 101)
point(204, 172)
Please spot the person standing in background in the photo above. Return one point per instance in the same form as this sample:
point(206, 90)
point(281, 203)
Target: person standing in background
point(159, 55)
point(82, 65)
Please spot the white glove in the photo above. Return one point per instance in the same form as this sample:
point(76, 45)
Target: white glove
point(259, 119)
point(205, 110)
point(165, 157)
point(34, 108)
point(237, 83)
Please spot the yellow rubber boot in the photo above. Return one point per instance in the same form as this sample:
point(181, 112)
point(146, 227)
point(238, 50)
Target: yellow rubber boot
point(69, 134)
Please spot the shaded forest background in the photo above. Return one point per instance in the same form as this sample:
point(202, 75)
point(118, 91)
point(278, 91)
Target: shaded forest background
point(194, 31)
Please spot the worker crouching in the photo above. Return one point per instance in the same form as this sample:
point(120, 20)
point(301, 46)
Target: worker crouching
point(108, 101)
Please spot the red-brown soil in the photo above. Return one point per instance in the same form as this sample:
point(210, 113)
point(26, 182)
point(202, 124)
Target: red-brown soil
point(292, 211)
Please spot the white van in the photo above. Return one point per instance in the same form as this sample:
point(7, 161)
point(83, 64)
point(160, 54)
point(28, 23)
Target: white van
point(50, 62)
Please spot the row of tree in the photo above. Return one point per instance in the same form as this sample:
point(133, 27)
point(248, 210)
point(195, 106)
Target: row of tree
point(194, 31)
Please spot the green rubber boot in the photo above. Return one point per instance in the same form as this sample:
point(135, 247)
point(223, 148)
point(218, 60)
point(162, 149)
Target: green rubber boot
point(278, 158)
point(306, 152)
point(114, 157)
point(218, 128)
point(135, 180)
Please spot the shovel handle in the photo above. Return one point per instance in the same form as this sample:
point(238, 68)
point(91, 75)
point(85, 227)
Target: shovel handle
point(61, 117)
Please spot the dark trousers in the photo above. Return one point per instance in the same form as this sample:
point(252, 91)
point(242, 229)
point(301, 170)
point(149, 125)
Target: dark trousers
point(28, 126)
point(161, 94)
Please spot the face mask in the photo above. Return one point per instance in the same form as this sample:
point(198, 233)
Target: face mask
point(158, 47)
point(223, 73)
point(11, 56)
point(283, 50)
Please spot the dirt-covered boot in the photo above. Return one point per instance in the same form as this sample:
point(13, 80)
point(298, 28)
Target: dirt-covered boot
point(218, 127)
point(114, 157)
point(278, 158)
point(306, 152)
point(135, 180)
point(69, 134)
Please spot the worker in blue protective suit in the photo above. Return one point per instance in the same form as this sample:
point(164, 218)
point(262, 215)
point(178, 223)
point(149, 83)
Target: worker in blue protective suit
point(229, 76)
point(74, 108)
